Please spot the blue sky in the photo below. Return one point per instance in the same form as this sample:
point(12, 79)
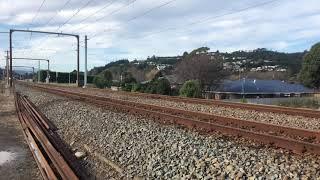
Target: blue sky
point(137, 29)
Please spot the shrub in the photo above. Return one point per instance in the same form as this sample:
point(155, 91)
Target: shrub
point(190, 88)
point(107, 75)
point(100, 82)
point(103, 80)
point(137, 87)
point(162, 86)
point(127, 87)
point(127, 77)
point(115, 83)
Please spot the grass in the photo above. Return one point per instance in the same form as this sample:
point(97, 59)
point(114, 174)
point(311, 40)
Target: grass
point(243, 100)
point(313, 103)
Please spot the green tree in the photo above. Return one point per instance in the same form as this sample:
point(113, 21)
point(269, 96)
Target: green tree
point(199, 65)
point(162, 86)
point(127, 77)
point(127, 81)
point(200, 50)
point(190, 88)
point(103, 80)
point(310, 72)
point(107, 75)
point(100, 82)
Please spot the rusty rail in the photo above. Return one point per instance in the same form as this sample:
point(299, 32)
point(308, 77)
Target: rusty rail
point(294, 139)
point(43, 142)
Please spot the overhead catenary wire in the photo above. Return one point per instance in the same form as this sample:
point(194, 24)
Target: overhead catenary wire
point(55, 15)
point(103, 17)
point(97, 11)
point(68, 20)
point(142, 14)
point(35, 16)
point(198, 21)
point(77, 12)
point(208, 19)
point(49, 21)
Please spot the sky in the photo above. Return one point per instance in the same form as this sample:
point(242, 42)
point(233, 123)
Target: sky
point(136, 29)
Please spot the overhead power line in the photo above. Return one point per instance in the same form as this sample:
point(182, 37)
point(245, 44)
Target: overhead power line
point(199, 21)
point(140, 15)
point(150, 10)
point(68, 20)
point(207, 19)
point(35, 16)
point(103, 17)
point(49, 21)
point(64, 5)
point(77, 12)
point(97, 11)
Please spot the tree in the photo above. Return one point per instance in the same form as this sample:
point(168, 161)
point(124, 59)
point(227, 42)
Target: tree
point(310, 72)
point(127, 81)
point(162, 86)
point(190, 88)
point(200, 66)
point(185, 54)
point(103, 80)
point(127, 77)
point(201, 50)
point(107, 75)
point(100, 82)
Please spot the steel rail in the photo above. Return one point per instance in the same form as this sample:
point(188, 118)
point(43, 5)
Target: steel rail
point(240, 123)
point(59, 166)
point(45, 169)
point(256, 107)
point(230, 126)
point(55, 139)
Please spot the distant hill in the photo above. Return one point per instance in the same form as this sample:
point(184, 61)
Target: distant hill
point(255, 63)
point(263, 56)
point(141, 70)
point(164, 60)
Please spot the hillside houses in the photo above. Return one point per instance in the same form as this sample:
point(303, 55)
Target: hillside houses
point(268, 68)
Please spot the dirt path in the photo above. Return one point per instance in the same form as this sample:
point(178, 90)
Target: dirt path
point(16, 160)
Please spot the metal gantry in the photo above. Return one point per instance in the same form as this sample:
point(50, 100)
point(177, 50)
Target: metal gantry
point(44, 32)
point(37, 59)
point(25, 67)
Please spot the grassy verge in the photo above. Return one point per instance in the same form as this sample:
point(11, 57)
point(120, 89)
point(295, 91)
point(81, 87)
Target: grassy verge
point(313, 103)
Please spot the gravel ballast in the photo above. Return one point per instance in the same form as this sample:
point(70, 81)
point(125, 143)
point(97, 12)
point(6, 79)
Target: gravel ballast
point(144, 149)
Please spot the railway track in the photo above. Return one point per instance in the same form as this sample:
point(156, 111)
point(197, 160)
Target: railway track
point(256, 107)
point(293, 139)
point(52, 156)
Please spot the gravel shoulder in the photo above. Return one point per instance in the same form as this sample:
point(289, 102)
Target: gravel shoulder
point(123, 146)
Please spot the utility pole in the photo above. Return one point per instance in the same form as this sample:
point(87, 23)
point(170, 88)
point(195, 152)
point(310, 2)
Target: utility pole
point(85, 60)
point(48, 72)
point(78, 62)
point(57, 73)
point(7, 67)
point(39, 71)
point(10, 41)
